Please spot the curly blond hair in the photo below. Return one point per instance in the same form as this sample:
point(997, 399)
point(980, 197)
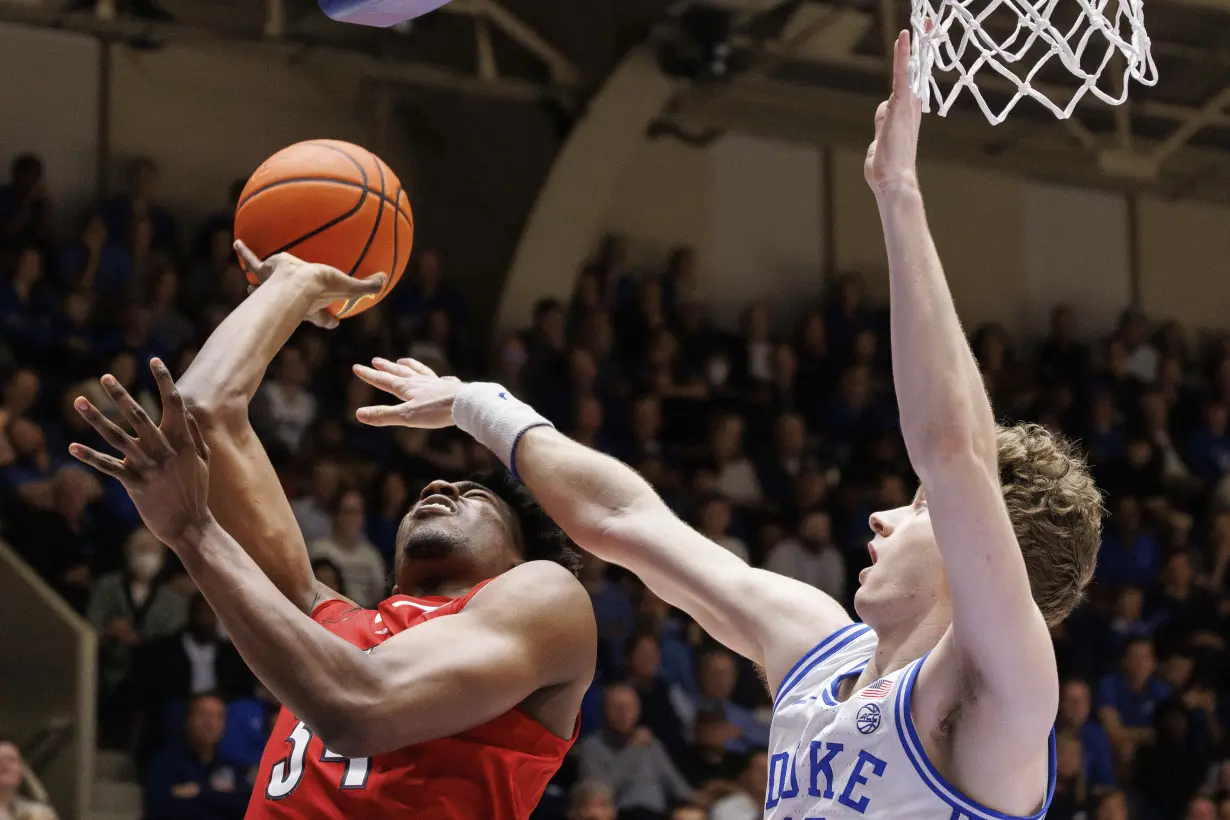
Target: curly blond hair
point(1056, 512)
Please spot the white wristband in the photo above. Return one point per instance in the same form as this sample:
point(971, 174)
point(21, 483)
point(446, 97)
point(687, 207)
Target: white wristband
point(496, 419)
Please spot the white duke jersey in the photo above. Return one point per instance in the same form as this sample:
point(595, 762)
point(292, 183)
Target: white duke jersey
point(860, 758)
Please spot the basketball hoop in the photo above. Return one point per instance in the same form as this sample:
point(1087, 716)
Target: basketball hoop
point(1009, 45)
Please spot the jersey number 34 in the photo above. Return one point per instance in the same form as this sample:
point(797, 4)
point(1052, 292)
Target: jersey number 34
point(288, 772)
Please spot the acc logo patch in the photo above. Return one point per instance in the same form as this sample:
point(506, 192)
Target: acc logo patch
point(868, 719)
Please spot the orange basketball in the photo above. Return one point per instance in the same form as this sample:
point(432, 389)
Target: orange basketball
point(330, 202)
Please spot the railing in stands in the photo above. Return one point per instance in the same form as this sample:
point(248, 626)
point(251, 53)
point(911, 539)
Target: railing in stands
point(47, 684)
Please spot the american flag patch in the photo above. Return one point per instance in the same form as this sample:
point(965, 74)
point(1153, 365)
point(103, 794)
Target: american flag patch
point(879, 689)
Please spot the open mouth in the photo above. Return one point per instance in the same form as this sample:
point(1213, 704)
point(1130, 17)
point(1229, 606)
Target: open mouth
point(872, 551)
point(435, 505)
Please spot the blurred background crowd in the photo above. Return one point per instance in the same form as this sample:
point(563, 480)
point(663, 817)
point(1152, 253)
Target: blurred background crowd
point(776, 440)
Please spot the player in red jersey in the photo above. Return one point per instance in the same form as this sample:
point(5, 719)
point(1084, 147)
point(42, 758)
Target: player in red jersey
point(458, 697)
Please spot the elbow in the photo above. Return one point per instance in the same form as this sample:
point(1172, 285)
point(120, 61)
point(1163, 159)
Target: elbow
point(956, 443)
point(212, 405)
point(347, 732)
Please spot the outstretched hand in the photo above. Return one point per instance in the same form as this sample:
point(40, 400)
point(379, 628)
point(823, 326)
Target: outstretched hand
point(165, 468)
point(329, 284)
point(892, 156)
point(427, 399)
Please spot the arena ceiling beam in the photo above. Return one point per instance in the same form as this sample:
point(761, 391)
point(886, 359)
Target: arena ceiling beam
point(562, 70)
point(388, 70)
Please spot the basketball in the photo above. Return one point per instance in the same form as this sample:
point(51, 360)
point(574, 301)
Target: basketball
point(333, 203)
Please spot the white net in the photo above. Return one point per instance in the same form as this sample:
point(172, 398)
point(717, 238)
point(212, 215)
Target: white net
point(1011, 47)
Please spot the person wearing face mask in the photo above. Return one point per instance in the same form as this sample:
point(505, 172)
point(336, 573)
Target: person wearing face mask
point(130, 608)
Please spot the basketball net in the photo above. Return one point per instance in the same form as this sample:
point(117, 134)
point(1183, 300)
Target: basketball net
point(960, 41)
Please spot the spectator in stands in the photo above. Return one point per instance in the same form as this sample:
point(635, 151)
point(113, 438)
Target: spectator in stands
point(717, 679)
point(811, 556)
point(659, 700)
point(14, 806)
point(591, 800)
point(425, 292)
point(627, 756)
point(708, 758)
point(327, 573)
point(1071, 786)
point(612, 610)
point(188, 780)
point(1143, 357)
point(191, 661)
point(362, 567)
point(64, 542)
point(288, 404)
point(713, 521)
point(94, 262)
point(28, 304)
point(25, 206)
point(1169, 770)
point(1062, 357)
point(1112, 805)
point(735, 477)
point(1129, 554)
point(1075, 718)
point(1209, 448)
point(140, 210)
point(1128, 700)
point(128, 609)
point(313, 511)
point(747, 800)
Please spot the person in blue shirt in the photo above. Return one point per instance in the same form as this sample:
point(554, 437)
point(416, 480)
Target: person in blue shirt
point(25, 210)
point(1075, 709)
point(1129, 555)
point(190, 781)
point(718, 676)
point(1128, 700)
point(1209, 446)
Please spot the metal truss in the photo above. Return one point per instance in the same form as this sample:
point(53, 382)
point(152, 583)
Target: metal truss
point(282, 30)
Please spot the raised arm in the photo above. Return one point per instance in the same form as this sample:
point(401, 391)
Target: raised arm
point(998, 637)
point(245, 492)
point(606, 508)
point(433, 681)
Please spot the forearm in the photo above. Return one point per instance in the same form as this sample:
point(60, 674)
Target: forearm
point(302, 664)
point(583, 490)
point(231, 364)
point(944, 406)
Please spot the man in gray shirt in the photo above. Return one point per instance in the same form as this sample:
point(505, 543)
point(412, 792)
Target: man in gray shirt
point(628, 758)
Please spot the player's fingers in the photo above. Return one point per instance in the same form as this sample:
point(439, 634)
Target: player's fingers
point(383, 415)
point(368, 284)
point(174, 411)
point(397, 368)
point(381, 380)
point(152, 441)
point(110, 431)
point(901, 64)
point(108, 465)
point(881, 115)
point(417, 367)
point(250, 260)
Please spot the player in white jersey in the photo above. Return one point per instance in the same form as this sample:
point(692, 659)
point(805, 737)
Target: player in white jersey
point(940, 704)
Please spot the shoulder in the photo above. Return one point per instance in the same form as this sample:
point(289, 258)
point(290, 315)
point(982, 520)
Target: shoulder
point(545, 604)
point(542, 582)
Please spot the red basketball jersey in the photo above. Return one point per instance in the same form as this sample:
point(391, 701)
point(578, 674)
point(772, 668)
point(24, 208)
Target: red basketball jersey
point(496, 771)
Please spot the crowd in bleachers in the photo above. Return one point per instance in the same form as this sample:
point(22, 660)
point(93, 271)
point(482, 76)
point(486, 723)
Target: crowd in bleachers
point(776, 440)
